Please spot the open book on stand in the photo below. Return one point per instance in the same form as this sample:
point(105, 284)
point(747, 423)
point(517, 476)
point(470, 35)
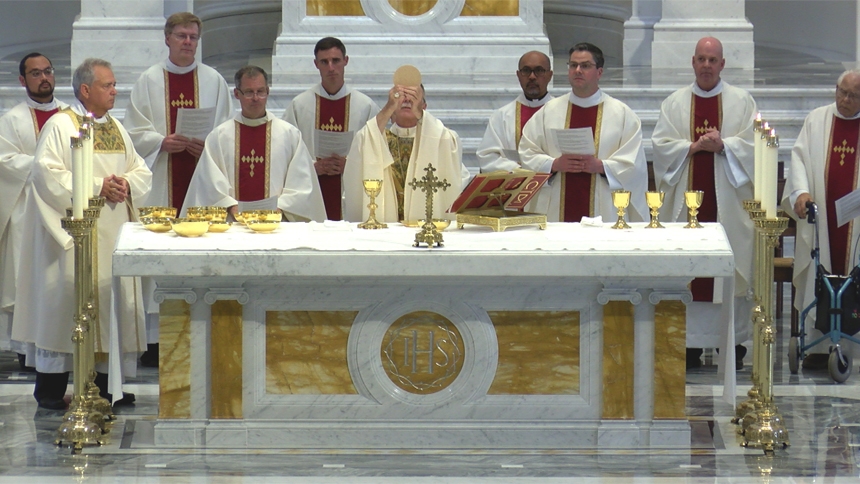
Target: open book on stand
point(496, 200)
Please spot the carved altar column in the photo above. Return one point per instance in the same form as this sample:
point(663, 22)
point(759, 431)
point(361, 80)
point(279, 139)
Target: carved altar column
point(452, 42)
point(684, 22)
point(130, 35)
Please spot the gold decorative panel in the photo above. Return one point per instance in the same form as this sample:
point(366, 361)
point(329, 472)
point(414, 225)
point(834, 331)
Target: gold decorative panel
point(538, 353)
point(618, 360)
point(334, 8)
point(422, 352)
point(226, 359)
point(670, 341)
point(174, 360)
point(491, 8)
point(412, 8)
point(306, 352)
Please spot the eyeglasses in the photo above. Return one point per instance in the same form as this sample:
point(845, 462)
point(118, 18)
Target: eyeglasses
point(36, 73)
point(850, 96)
point(528, 71)
point(183, 37)
point(584, 66)
point(262, 94)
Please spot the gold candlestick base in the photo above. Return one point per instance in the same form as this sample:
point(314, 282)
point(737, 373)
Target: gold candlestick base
point(767, 432)
point(372, 188)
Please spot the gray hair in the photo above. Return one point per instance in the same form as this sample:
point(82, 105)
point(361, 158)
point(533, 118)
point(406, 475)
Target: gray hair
point(854, 71)
point(85, 73)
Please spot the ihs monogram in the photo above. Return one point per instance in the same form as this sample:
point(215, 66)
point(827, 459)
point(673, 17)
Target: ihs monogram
point(251, 160)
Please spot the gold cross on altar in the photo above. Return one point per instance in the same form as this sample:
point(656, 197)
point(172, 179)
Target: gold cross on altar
point(429, 184)
point(842, 150)
point(182, 102)
point(331, 126)
point(703, 129)
point(251, 160)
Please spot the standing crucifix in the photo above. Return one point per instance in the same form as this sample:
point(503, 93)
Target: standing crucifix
point(429, 184)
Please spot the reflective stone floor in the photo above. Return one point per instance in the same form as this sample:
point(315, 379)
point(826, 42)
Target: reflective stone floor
point(823, 420)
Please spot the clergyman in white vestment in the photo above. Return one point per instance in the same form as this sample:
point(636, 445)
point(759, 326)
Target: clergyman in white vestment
point(273, 160)
point(582, 183)
point(330, 105)
point(45, 302)
point(400, 154)
point(713, 154)
point(19, 130)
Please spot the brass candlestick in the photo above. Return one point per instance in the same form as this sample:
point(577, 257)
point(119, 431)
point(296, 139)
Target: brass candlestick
point(372, 189)
point(655, 201)
point(748, 406)
point(429, 184)
point(694, 201)
point(94, 398)
point(766, 429)
point(621, 199)
point(77, 428)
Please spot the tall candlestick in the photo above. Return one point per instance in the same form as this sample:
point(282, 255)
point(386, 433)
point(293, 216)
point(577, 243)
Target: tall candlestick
point(79, 198)
point(757, 130)
point(770, 172)
point(88, 133)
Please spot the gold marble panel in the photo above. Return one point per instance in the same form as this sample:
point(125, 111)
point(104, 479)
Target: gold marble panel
point(670, 373)
point(412, 8)
point(618, 360)
point(538, 353)
point(491, 8)
point(174, 360)
point(422, 352)
point(306, 352)
point(226, 359)
point(334, 8)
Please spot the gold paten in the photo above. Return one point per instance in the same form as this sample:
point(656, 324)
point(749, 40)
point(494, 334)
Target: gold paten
point(496, 199)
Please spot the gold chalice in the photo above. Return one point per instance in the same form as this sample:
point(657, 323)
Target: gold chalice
point(372, 189)
point(694, 201)
point(655, 201)
point(621, 199)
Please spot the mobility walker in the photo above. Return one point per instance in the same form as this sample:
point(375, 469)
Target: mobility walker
point(837, 313)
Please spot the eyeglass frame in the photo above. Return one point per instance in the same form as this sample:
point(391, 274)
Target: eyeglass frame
point(182, 37)
point(529, 71)
point(36, 73)
point(850, 96)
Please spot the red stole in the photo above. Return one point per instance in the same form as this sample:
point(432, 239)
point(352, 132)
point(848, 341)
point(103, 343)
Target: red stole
point(840, 176)
point(253, 148)
point(577, 189)
point(705, 113)
point(524, 114)
point(41, 117)
point(332, 116)
point(181, 92)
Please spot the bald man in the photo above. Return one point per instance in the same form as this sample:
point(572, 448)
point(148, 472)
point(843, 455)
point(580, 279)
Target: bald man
point(712, 152)
point(505, 128)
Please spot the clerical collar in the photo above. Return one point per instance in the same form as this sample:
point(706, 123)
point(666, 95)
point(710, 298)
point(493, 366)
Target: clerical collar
point(42, 106)
point(175, 69)
point(254, 122)
point(586, 102)
point(533, 103)
point(80, 110)
point(333, 97)
point(402, 132)
point(836, 112)
point(698, 91)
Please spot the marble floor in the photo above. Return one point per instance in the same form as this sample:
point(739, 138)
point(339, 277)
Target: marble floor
point(823, 420)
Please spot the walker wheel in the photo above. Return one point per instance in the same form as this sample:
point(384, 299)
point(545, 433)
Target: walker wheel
point(839, 371)
point(793, 355)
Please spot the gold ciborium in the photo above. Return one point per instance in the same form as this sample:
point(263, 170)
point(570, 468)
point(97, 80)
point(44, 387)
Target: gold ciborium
point(655, 201)
point(372, 189)
point(621, 199)
point(694, 201)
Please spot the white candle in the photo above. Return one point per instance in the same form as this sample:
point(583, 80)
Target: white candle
point(88, 156)
point(78, 178)
point(757, 188)
point(770, 172)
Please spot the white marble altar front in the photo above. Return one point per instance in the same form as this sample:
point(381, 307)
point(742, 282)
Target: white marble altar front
point(472, 284)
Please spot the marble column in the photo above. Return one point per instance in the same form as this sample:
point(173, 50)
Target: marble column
point(130, 35)
point(455, 43)
point(639, 32)
point(684, 22)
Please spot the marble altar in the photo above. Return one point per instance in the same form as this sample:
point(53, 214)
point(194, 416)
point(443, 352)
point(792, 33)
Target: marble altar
point(327, 336)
